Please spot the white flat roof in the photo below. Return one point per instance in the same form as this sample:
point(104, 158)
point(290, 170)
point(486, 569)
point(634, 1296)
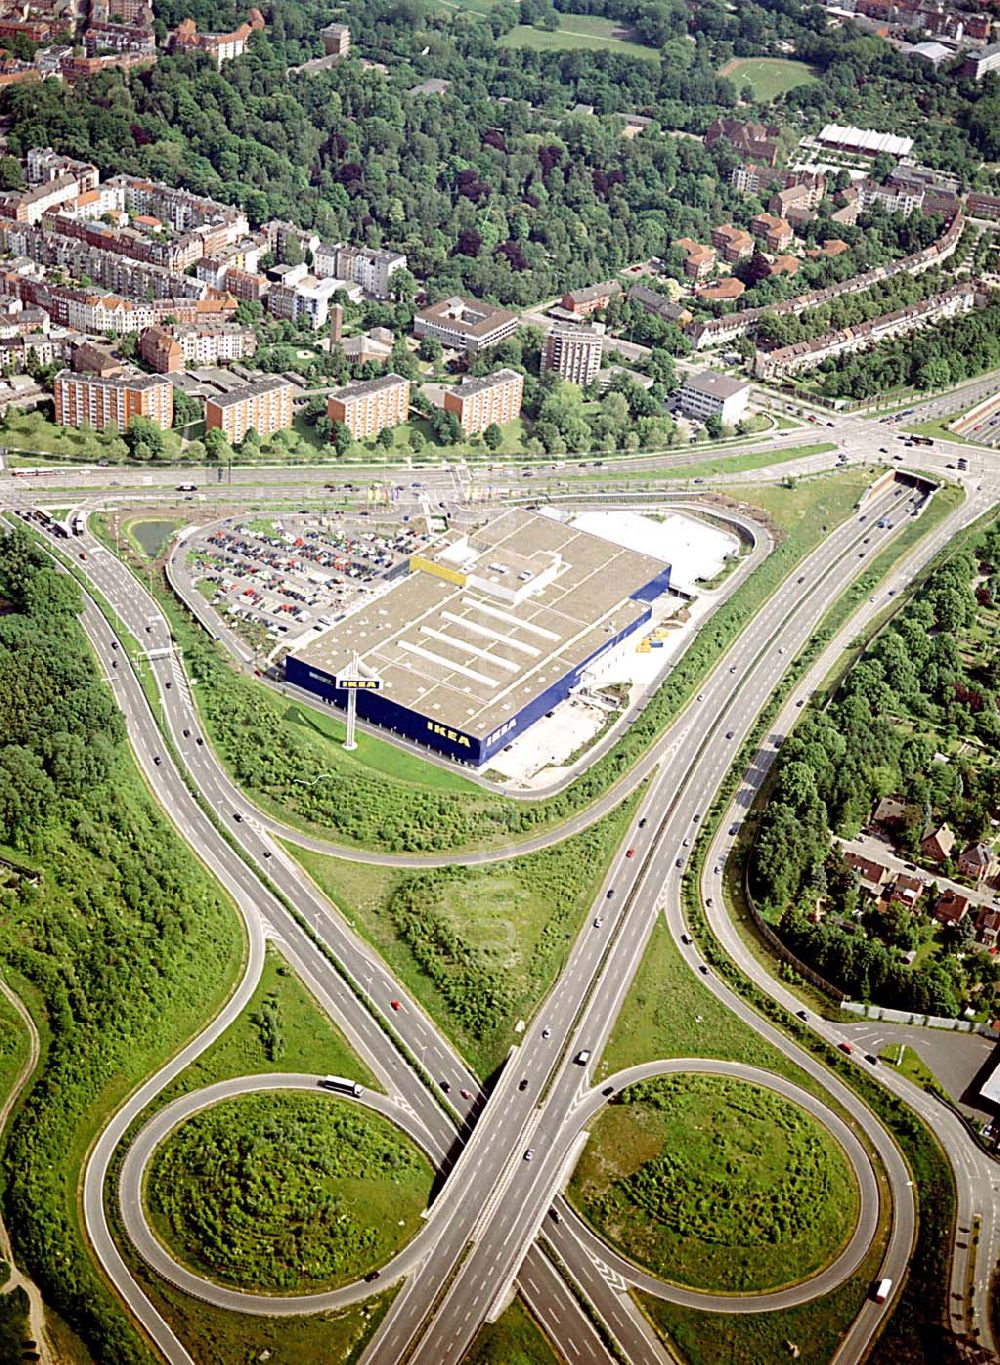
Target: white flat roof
point(866, 139)
point(990, 1088)
point(694, 549)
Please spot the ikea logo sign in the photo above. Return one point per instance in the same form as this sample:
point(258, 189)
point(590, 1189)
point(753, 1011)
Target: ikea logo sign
point(498, 734)
point(455, 736)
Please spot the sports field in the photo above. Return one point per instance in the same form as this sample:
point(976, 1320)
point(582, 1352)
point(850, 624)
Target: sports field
point(768, 77)
point(578, 30)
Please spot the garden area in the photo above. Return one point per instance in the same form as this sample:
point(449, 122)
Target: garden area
point(286, 1193)
point(915, 720)
point(716, 1184)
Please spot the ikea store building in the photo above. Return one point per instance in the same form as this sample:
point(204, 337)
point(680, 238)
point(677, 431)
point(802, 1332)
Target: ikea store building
point(487, 633)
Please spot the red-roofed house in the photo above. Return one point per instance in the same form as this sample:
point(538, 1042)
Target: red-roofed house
point(872, 874)
point(988, 927)
point(951, 908)
point(938, 844)
point(978, 862)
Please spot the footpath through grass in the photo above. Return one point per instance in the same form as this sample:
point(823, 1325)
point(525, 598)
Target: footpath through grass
point(293, 765)
point(590, 32)
point(716, 1184)
point(477, 946)
point(286, 1193)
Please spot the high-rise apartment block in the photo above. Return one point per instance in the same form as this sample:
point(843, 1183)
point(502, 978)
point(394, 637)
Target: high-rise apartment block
point(480, 403)
point(336, 40)
point(574, 353)
point(367, 408)
point(112, 401)
point(265, 404)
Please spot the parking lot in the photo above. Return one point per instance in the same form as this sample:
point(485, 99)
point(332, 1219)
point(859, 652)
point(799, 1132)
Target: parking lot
point(292, 575)
point(959, 1061)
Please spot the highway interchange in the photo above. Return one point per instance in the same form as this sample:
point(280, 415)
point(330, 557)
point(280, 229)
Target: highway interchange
point(482, 1236)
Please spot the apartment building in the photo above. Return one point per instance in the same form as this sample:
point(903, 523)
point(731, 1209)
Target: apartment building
point(244, 285)
point(575, 353)
point(108, 313)
point(465, 324)
point(160, 349)
point(18, 321)
point(732, 243)
point(659, 305)
point(983, 206)
point(804, 355)
point(800, 192)
point(169, 349)
point(119, 38)
point(311, 300)
point(336, 40)
point(180, 208)
point(112, 401)
point(369, 407)
point(221, 47)
point(900, 198)
point(264, 404)
point(583, 302)
point(709, 394)
point(979, 64)
point(750, 178)
point(30, 206)
point(698, 259)
point(43, 163)
point(480, 403)
point(773, 233)
point(372, 270)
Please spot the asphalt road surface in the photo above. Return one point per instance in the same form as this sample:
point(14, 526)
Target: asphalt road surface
point(494, 1202)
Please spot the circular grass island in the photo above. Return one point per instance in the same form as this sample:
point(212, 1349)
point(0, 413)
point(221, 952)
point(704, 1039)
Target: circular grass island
point(286, 1193)
point(716, 1184)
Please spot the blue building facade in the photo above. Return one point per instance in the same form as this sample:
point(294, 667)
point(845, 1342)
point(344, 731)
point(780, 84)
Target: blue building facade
point(475, 750)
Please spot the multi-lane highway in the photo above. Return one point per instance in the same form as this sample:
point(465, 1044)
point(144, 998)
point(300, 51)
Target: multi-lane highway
point(494, 1202)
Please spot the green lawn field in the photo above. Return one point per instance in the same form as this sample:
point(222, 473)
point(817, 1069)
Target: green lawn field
point(577, 31)
point(768, 77)
point(287, 1192)
point(717, 1184)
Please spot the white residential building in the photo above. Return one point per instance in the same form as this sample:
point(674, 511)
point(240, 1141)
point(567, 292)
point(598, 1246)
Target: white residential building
point(709, 394)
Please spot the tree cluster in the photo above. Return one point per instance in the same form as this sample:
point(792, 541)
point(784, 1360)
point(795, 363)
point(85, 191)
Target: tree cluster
point(921, 683)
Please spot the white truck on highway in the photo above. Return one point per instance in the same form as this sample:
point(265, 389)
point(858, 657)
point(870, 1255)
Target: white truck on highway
point(343, 1084)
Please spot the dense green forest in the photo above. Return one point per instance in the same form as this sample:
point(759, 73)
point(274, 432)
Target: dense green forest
point(124, 944)
point(516, 199)
point(931, 679)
